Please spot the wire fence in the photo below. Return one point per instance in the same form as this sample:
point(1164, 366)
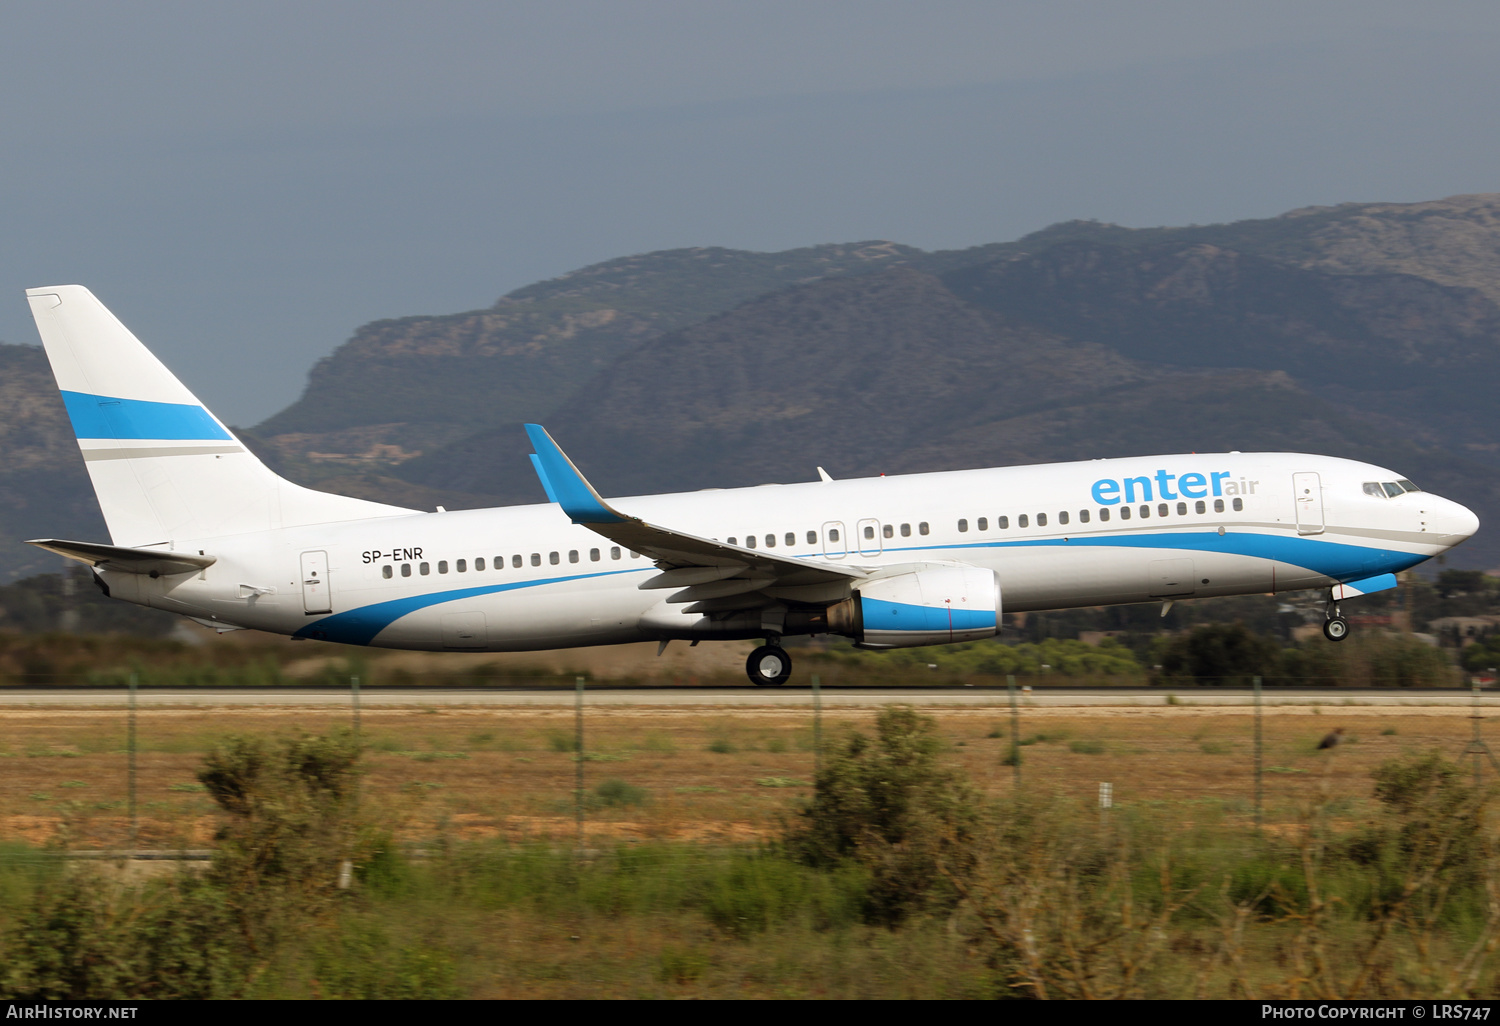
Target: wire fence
point(116, 769)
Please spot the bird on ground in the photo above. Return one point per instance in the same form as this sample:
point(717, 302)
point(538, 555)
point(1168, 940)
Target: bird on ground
point(1332, 739)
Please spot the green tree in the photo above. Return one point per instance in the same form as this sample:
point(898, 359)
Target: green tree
point(1220, 653)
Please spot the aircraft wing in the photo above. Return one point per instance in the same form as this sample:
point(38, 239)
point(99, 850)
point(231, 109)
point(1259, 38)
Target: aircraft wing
point(153, 562)
point(713, 569)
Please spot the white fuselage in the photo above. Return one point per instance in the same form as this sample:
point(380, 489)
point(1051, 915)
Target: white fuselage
point(520, 578)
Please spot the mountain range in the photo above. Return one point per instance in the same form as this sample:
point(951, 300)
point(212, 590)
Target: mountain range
point(1363, 330)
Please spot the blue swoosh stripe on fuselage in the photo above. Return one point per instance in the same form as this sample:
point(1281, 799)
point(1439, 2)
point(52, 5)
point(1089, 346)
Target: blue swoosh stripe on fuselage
point(360, 626)
point(103, 416)
point(1340, 561)
point(1331, 559)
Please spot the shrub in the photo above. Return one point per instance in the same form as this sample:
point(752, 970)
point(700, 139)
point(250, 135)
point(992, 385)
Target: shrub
point(886, 804)
point(614, 792)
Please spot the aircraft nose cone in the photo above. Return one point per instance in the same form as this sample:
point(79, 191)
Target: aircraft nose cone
point(1458, 520)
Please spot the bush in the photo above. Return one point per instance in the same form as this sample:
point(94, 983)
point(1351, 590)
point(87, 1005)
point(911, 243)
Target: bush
point(886, 804)
point(291, 804)
point(614, 793)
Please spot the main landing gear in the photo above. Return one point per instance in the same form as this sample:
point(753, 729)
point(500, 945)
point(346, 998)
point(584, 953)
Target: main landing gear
point(769, 665)
point(1335, 627)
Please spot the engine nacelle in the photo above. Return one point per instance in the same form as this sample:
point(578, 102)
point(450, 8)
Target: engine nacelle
point(936, 605)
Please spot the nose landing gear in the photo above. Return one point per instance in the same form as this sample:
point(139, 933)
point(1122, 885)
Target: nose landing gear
point(1335, 627)
point(769, 665)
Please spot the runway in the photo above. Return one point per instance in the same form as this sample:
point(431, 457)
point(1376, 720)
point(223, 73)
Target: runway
point(668, 696)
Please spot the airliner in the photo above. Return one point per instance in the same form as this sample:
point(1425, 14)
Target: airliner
point(201, 527)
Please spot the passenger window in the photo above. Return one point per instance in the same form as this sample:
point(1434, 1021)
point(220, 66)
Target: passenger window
point(963, 526)
point(1145, 511)
point(869, 532)
point(462, 566)
point(635, 555)
point(1218, 505)
point(536, 559)
point(770, 541)
point(1041, 520)
point(385, 572)
point(812, 537)
point(1062, 518)
point(923, 529)
point(906, 530)
point(1162, 509)
point(833, 534)
point(479, 563)
point(1003, 523)
point(572, 555)
point(515, 560)
point(1200, 506)
point(749, 541)
point(1124, 512)
point(593, 555)
point(733, 540)
point(1239, 504)
point(424, 569)
point(1083, 516)
point(1104, 513)
point(791, 539)
point(442, 566)
point(983, 523)
point(1023, 521)
point(888, 531)
point(554, 558)
point(1182, 509)
point(614, 552)
point(405, 569)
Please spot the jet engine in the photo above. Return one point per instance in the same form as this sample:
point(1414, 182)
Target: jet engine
point(934, 605)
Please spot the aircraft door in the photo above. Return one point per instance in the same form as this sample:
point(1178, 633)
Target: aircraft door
point(869, 537)
point(835, 546)
point(316, 597)
point(1307, 491)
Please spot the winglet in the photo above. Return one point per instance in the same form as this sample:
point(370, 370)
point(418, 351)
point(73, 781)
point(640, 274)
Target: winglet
point(565, 485)
point(536, 463)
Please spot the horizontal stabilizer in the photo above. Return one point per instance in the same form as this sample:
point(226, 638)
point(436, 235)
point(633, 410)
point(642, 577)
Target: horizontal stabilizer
point(153, 562)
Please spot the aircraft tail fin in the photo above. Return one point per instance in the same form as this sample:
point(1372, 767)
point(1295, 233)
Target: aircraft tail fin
point(163, 467)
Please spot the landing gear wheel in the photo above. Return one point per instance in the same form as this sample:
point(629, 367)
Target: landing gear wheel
point(768, 666)
point(1335, 628)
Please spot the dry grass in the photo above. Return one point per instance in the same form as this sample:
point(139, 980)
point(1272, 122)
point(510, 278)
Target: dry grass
point(473, 773)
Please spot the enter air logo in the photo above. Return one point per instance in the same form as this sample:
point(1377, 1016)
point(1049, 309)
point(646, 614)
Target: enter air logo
point(1162, 485)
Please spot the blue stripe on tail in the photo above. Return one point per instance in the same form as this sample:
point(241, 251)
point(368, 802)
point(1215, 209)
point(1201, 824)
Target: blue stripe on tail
point(102, 416)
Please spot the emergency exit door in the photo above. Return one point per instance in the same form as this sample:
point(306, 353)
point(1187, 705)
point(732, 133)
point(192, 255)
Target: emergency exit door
point(316, 597)
point(1307, 489)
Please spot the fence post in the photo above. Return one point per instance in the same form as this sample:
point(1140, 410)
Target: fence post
point(354, 693)
point(1258, 758)
point(1015, 729)
point(817, 690)
point(578, 758)
point(135, 826)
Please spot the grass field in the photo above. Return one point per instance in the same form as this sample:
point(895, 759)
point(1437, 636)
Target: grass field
point(690, 774)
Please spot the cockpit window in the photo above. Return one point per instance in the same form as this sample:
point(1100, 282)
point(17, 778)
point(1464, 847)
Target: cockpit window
point(1389, 489)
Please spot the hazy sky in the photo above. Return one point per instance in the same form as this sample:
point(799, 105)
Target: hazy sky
point(247, 183)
